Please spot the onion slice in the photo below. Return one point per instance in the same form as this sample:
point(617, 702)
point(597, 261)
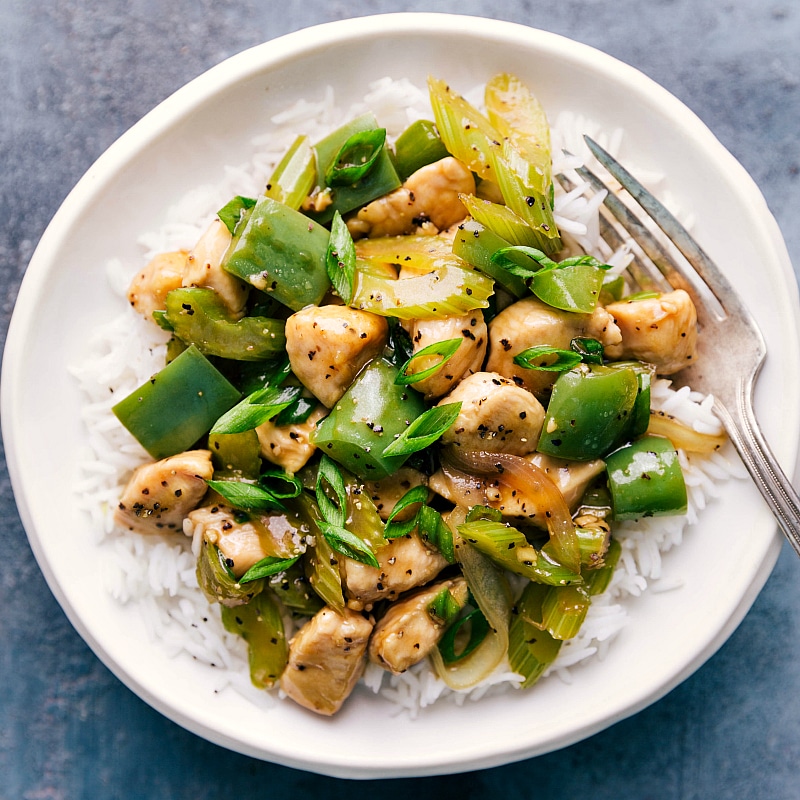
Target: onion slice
point(532, 482)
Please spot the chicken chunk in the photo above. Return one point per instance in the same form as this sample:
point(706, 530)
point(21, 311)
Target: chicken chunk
point(427, 201)
point(245, 540)
point(327, 656)
point(470, 328)
point(571, 477)
point(496, 415)
point(660, 330)
point(328, 346)
point(289, 446)
point(408, 631)
point(386, 492)
point(159, 495)
point(530, 322)
point(204, 268)
point(405, 563)
point(149, 288)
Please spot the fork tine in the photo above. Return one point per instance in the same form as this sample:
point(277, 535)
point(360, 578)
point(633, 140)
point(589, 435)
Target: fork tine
point(701, 268)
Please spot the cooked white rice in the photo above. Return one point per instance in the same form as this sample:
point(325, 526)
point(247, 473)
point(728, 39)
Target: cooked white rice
point(157, 573)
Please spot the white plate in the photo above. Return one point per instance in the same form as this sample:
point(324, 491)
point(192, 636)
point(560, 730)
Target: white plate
point(185, 142)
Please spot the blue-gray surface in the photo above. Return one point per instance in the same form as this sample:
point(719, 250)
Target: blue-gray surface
point(75, 75)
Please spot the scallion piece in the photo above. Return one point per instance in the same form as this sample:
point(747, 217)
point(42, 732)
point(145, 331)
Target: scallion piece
point(330, 481)
point(444, 350)
point(452, 647)
point(415, 495)
point(356, 157)
point(243, 494)
point(424, 430)
point(271, 565)
point(444, 607)
point(341, 259)
point(548, 359)
point(256, 408)
point(348, 544)
point(233, 211)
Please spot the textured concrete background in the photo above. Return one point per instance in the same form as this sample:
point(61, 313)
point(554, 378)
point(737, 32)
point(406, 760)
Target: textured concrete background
point(75, 75)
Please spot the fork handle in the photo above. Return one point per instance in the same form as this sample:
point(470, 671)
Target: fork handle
point(743, 429)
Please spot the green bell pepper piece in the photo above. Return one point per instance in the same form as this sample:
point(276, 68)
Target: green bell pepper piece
point(199, 317)
point(260, 624)
point(476, 244)
point(372, 412)
point(282, 252)
point(381, 179)
point(588, 412)
point(417, 146)
point(645, 479)
point(235, 455)
point(176, 407)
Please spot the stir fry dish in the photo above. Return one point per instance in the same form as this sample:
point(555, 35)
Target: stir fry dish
point(400, 415)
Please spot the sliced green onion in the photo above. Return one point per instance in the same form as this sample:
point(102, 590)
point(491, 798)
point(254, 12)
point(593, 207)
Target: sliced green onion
point(257, 408)
point(356, 157)
point(241, 494)
point(632, 298)
point(424, 430)
point(296, 413)
point(478, 629)
point(328, 474)
point(548, 359)
point(444, 607)
point(590, 350)
point(523, 261)
point(233, 211)
point(271, 565)
point(445, 350)
point(393, 530)
point(432, 529)
point(450, 291)
point(280, 484)
point(348, 544)
point(341, 258)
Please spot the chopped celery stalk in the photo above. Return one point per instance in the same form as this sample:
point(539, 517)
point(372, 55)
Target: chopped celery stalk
point(381, 178)
point(218, 583)
point(597, 580)
point(509, 548)
point(451, 291)
point(645, 479)
point(199, 317)
point(294, 591)
point(588, 412)
point(293, 178)
point(235, 455)
point(370, 415)
point(466, 133)
point(530, 205)
point(531, 650)
point(417, 146)
point(476, 244)
point(519, 116)
point(593, 542)
point(176, 407)
point(282, 252)
point(564, 610)
point(501, 220)
point(321, 560)
point(415, 252)
point(260, 624)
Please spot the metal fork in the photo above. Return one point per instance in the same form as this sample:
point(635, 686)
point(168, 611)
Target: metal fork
point(722, 317)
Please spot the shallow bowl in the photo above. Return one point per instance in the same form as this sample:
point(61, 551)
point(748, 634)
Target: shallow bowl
point(185, 142)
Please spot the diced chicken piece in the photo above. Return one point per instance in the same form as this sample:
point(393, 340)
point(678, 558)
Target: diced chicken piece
point(327, 656)
point(660, 330)
point(571, 477)
point(405, 563)
point(159, 495)
point(149, 288)
point(470, 328)
point(204, 269)
point(496, 416)
point(528, 323)
point(408, 631)
point(245, 540)
point(328, 346)
point(427, 201)
point(289, 446)
point(386, 492)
